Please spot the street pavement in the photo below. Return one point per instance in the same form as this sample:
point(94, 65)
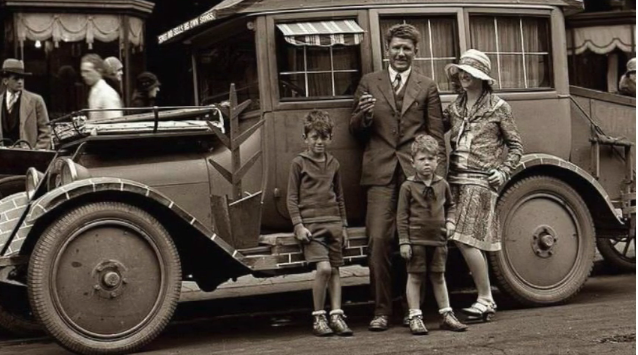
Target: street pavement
point(600, 320)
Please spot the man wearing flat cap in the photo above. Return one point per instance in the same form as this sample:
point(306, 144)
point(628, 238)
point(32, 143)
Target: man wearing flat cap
point(23, 114)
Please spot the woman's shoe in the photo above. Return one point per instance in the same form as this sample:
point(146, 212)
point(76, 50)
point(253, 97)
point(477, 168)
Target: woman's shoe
point(480, 311)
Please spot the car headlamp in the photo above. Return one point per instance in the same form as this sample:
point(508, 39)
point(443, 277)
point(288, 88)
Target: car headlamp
point(70, 172)
point(33, 177)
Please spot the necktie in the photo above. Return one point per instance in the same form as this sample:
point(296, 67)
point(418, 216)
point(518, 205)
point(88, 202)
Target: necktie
point(12, 100)
point(396, 84)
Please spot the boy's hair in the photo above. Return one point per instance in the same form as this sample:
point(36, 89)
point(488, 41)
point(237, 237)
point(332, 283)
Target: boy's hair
point(425, 144)
point(319, 121)
point(404, 31)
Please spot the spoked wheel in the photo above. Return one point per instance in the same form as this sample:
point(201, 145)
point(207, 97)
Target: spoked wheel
point(15, 311)
point(104, 278)
point(548, 242)
point(619, 252)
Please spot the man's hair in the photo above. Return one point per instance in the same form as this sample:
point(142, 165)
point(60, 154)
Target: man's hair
point(424, 144)
point(97, 61)
point(319, 121)
point(402, 30)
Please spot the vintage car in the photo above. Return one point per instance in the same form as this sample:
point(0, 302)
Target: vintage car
point(98, 244)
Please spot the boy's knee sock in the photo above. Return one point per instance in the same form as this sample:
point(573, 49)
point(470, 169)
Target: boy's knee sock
point(414, 313)
point(445, 310)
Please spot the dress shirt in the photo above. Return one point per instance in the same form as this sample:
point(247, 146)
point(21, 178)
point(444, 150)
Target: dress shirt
point(404, 77)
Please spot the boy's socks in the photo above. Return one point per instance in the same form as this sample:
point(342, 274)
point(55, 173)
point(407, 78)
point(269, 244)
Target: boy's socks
point(415, 312)
point(445, 310)
point(336, 311)
point(319, 313)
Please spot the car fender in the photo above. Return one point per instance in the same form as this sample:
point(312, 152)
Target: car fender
point(597, 199)
point(56, 199)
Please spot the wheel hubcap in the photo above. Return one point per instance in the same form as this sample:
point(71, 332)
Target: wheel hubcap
point(543, 241)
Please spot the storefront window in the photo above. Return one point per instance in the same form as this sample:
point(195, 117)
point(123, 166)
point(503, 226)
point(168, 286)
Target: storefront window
point(437, 48)
point(519, 48)
point(232, 60)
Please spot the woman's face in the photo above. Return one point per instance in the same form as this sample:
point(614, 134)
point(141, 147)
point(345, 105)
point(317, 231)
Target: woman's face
point(153, 92)
point(468, 82)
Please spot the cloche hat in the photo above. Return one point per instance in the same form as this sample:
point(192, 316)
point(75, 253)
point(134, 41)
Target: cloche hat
point(147, 81)
point(13, 66)
point(475, 63)
point(631, 65)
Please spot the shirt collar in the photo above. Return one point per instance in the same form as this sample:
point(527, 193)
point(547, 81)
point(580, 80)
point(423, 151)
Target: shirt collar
point(435, 179)
point(404, 75)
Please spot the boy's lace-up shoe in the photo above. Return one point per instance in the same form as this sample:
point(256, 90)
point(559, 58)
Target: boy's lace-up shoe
point(338, 324)
point(449, 322)
point(417, 327)
point(378, 324)
point(320, 326)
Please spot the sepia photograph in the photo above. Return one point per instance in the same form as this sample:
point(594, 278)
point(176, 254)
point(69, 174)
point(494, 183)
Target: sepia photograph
point(292, 177)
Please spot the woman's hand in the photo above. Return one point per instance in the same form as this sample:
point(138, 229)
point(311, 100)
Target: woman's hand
point(302, 233)
point(496, 178)
point(450, 228)
point(406, 251)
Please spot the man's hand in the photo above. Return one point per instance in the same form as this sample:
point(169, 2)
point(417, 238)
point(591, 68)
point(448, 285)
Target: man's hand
point(366, 104)
point(496, 178)
point(406, 251)
point(346, 237)
point(449, 229)
point(302, 233)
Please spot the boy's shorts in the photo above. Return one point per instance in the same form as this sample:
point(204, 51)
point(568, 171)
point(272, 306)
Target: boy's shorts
point(427, 257)
point(325, 243)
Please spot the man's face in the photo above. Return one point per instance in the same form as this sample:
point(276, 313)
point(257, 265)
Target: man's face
point(89, 74)
point(14, 83)
point(401, 52)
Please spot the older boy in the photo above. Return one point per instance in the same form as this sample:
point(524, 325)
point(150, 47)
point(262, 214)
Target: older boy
point(425, 219)
point(317, 210)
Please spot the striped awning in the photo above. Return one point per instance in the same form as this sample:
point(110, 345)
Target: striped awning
point(322, 34)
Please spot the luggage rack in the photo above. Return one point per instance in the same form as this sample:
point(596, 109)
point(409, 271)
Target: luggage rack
point(162, 119)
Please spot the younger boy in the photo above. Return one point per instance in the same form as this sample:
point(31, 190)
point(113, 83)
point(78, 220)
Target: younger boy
point(318, 212)
point(425, 219)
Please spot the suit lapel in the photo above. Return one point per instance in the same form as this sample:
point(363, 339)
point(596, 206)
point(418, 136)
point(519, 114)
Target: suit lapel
point(386, 88)
point(412, 89)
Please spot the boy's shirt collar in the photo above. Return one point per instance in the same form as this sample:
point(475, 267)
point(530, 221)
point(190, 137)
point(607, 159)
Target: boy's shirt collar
point(307, 155)
point(414, 178)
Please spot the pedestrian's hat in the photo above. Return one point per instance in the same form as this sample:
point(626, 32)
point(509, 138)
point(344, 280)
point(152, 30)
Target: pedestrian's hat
point(147, 81)
point(475, 63)
point(113, 63)
point(631, 65)
point(13, 66)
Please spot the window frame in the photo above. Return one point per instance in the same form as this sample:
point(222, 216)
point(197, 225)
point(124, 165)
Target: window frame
point(359, 16)
point(526, 13)
point(415, 13)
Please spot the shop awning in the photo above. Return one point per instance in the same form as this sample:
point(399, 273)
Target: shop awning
point(323, 34)
point(602, 39)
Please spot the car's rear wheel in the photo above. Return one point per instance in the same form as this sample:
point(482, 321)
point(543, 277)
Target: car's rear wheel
point(104, 278)
point(619, 252)
point(548, 242)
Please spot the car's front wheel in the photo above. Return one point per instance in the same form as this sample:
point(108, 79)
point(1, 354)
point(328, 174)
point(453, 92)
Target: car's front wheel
point(104, 278)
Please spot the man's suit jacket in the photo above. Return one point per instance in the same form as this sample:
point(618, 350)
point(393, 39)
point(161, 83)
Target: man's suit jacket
point(390, 133)
point(34, 120)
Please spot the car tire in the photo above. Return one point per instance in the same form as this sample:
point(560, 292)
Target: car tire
point(548, 242)
point(616, 252)
point(15, 312)
point(11, 185)
point(104, 278)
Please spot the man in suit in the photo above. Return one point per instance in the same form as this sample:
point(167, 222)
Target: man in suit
point(392, 107)
point(23, 114)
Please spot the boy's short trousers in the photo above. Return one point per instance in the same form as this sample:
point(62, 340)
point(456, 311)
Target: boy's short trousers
point(427, 257)
point(325, 243)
